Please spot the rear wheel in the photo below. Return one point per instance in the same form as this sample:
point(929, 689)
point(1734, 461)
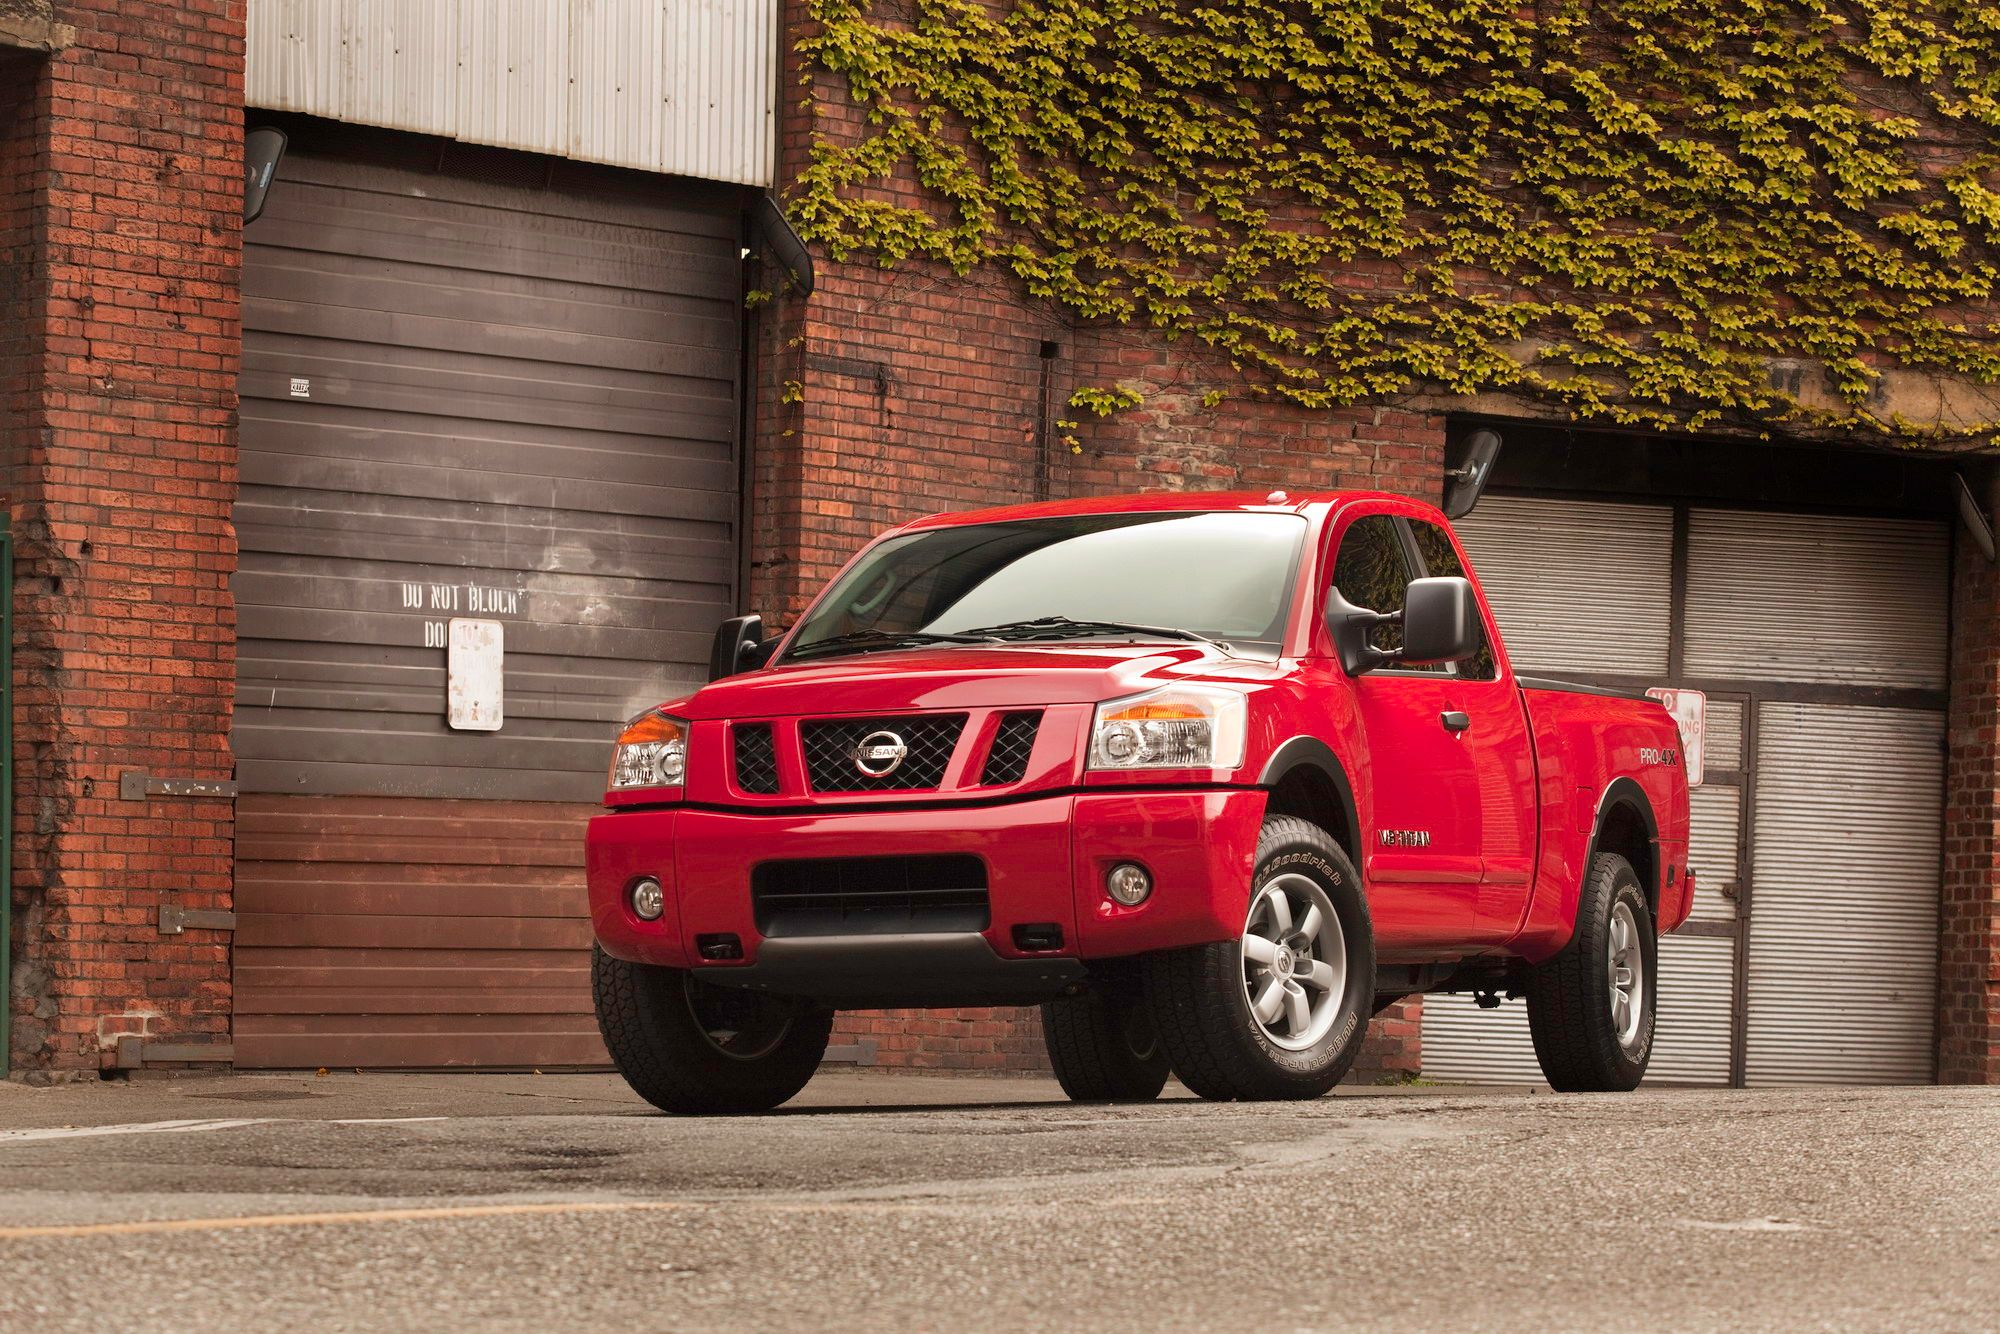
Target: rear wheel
point(1281, 1011)
point(1591, 1008)
point(689, 1047)
point(1103, 1045)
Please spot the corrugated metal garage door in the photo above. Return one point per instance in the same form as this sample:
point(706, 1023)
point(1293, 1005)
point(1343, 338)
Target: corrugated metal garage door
point(489, 386)
point(1848, 796)
point(1843, 931)
point(1612, 618)
point(1777, 608)
point(1816, 598)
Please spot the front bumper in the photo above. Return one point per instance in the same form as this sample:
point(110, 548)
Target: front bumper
point(1045, 862)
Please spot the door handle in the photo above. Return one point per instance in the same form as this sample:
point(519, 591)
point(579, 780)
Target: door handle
point(1455, 720)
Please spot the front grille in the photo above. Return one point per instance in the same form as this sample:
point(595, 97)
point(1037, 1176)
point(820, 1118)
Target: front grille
point(927, 739)
point(848, 896)
point(1007, 761)
point(756, 758)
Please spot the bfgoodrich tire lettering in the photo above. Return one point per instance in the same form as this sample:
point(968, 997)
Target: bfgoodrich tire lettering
point(1201, 999)
point(1574, 1013)
point(688, 1047)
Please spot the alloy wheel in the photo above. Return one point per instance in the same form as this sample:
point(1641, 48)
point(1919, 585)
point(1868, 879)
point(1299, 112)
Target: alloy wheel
point(1626, 963)
point(1294, 961)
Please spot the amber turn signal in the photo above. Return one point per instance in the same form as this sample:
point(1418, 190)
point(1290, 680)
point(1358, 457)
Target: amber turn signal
point(651, 752)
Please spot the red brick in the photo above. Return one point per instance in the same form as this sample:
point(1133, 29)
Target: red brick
point(1968, 1042)
point(119, 259)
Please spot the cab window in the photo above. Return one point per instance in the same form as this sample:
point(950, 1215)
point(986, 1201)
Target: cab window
point(1371, 570)
point(1441, 560)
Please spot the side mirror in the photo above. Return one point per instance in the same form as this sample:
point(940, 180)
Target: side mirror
point(1440, 621)
point(737, 644)
point(1465, 480)
point(1353, 631)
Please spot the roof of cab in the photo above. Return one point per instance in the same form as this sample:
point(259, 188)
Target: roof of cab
point(1154, 502)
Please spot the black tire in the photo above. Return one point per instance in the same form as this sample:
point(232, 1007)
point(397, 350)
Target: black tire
point(1103, 1044)
point(1570, 997)
point(1201, 1009)
point(667, 1054)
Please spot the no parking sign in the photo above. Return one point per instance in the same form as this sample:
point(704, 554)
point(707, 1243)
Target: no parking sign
point(1690, 710)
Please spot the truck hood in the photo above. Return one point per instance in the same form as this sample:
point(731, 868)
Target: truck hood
point(965, 677)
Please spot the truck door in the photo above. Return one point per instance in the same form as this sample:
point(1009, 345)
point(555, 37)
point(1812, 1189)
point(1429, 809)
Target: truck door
point(1495, 738)
point(1422, 841)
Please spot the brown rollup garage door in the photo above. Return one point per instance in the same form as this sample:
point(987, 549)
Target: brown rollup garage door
point(481, 386)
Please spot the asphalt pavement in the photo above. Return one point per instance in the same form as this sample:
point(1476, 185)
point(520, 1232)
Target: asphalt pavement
point(886, 1202)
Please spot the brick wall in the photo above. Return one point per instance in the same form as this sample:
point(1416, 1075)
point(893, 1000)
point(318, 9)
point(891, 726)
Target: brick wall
point(123, 169)
point(21, 286)
point(1969, 923)
point(898, 392)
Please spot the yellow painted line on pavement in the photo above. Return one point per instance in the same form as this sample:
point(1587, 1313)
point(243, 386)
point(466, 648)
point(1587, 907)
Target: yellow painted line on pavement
point(157, 1225)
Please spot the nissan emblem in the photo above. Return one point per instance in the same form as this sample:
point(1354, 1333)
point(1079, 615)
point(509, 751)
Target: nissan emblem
point(879, 754)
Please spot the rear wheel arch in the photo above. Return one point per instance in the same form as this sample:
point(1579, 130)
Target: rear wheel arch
point(1305, 778)
point(1626, 825)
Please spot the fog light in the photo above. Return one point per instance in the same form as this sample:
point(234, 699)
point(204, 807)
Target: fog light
point(648, 900)
point(1128, 883)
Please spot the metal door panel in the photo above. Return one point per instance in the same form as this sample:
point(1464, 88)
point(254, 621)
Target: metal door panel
point(1715, 851)
point(1722, 736)
point(1696, 1004)
point(1577, 586)
point(1816, 598)
point(466, 396)
point(1842, 982)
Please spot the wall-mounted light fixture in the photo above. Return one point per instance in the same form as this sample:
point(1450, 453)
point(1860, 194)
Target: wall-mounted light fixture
point(263, 150)
point(784, 242)
point(1974, 518)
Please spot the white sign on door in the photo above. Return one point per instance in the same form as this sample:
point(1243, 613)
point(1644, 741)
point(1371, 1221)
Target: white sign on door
point(474, 656)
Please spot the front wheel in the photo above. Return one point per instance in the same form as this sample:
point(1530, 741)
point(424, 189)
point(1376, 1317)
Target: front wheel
point(689, 1047)
point(1590, 1009)
point(1281, 1011)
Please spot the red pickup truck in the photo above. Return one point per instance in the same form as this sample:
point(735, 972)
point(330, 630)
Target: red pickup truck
point(1210, 778)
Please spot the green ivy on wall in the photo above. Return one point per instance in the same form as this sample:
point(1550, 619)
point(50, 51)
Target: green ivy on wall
point(1628, 208)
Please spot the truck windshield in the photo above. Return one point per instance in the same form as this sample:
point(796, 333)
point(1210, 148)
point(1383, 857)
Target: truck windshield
point(1221, 576)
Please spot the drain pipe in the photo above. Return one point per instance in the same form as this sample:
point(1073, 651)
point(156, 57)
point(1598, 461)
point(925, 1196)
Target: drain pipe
point(1044, 437)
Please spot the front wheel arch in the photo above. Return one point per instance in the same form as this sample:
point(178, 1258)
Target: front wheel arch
point(1304, 778)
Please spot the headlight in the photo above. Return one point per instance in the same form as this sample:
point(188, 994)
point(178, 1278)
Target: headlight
point(652, 752)
point(1180, 727)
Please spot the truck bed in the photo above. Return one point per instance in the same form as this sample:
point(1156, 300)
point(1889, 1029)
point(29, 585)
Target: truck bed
point(1589, 741)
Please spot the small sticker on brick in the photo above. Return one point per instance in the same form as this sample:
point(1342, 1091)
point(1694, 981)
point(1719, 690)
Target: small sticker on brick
point(302, 387)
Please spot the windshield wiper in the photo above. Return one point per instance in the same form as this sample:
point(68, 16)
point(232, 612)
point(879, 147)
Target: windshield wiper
point(861, 641)
point(1062, 627)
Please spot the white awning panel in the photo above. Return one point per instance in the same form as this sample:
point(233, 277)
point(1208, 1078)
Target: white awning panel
point(682, 87)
